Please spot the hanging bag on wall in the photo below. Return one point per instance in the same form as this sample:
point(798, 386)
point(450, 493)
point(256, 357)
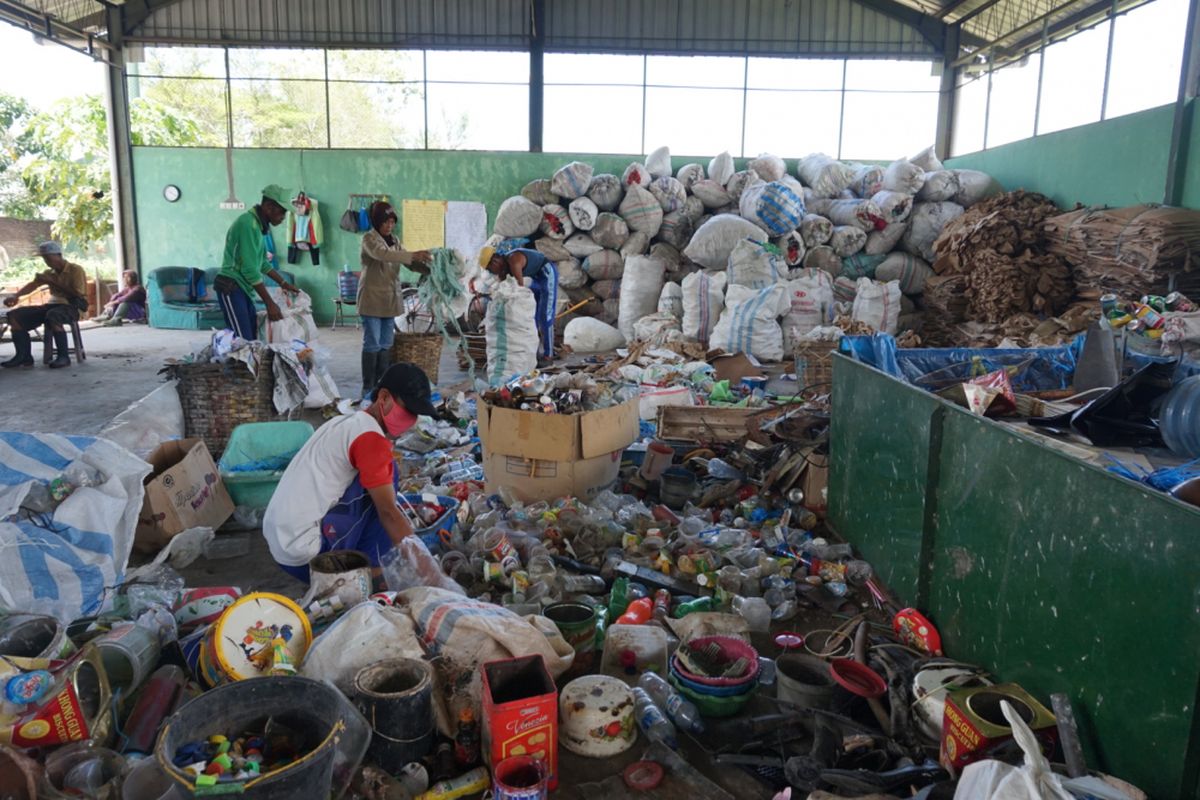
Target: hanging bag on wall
point(349, 221)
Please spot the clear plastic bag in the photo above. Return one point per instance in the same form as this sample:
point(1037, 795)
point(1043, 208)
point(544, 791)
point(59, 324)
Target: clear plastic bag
point(410, 564)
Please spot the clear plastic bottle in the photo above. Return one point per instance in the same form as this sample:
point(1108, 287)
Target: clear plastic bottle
point(652, 720)
point(681, 711)
point(583, 584)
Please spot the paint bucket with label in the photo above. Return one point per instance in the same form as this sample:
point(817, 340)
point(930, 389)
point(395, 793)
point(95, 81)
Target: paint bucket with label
point(260, 634)
point(577, 624)
point(519, 778)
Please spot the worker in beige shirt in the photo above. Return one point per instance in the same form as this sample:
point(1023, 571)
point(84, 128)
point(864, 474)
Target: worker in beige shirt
point(68, 297)
point(379, 300)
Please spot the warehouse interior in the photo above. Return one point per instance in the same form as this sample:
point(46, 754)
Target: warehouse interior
point(1011, 453)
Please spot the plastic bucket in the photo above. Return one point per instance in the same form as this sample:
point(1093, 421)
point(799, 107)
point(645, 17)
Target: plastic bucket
point(83, 770)
point(659, 456)
point(129, 653)
point(335, 734)
point(577, 624)
point(676, 487)
point(803, 680)
point(520, 778)
point(33, 636)
point(396, 698)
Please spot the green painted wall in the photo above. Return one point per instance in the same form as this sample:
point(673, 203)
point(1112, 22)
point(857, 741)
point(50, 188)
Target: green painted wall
point(1118, 162)
point(1052, 573)
point(191, 232)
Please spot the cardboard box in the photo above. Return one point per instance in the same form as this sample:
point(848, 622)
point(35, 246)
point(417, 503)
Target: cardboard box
point(973, 724)
point(816, 481)
point(183, 491)
point(520, 712)
point(543, 456)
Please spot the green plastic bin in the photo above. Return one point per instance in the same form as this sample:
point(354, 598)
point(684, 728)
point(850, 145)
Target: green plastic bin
point(256, 456)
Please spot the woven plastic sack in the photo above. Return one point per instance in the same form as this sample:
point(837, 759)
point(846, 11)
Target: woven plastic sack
point(689, 174)
point(640, 288)
point(636, 245)
point(877, 305)
point(893, 206)
point(903, 176)
point(669, 193)
point(570, 274)
point(907, 270)
point(754, 265)
point(927, 160)
point(864, 214)
point(810, 304)
point(572, 180)
point(611, 309)
point(670, 300)
point(583, 213)
point(606, 191)
point(676, 229)
point(518, 216)
point(974, 186)
point(823, 258)
point(588, 335)
point(539, 192)
point(556, 222)
point(610, 231)
point(847, 240)
point(636, 175)
point(668, 254)
point(720, 168)
point(925, 225)
point(860, 266)
point(772, 206)
point(658, 163)
point(693, 209)
point(885, 241)
point(939, 185)
point(868, 180)
point(740, 182)
point(826, 176)
point(512, 338)
point(711, 193)
point(791, 245)
point(607, 289)
point(815, 230)
point(552, 249)
point(657, 328)
point(581, 245)
point(844, 290)
point(607, 265)
point(768, 167)
point(750, 322)
point(641, 210)
point(713, 241)
point(703, 301)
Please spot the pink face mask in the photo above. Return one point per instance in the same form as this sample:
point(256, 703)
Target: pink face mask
point(398, 420)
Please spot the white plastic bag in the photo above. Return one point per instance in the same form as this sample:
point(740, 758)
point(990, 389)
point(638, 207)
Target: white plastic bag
point(670, 301)
point(297, 323)
point(927, 160)
point(826, 176)
point(156, 418)
point(973, 186)
point(711, 193)
point(609, 231)
point(868, 180)
point(581, 245)
point(878, 305)
point(712, 243)
point(606, 265)
point(703, 301)
point(589, 335)
point(640, 288)
point(658, 163)
point(512, 337)
point(810, 299)
point(894, 206)
point(572, 180)
point(939, 185)
point(740, 182)
point(995, 780)
point(657, 328)
point(885, 241)
point(751, 264)
point(750, 322)
point(636, 175)
point(925, 226)
point(518, 216)
point(903, 176)
point(859, 213)
point(791, 244)
point(720, 168)
point(538, 192)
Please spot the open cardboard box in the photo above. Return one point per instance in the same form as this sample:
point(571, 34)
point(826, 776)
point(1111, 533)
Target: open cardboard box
point(183, 491)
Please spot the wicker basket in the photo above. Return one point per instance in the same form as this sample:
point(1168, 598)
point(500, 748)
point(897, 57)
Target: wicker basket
point(475, 345)
point(216, 398)
point(814, 363)
point(422, 349)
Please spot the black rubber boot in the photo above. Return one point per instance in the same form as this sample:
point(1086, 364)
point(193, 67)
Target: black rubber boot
point(383, 360)
point(62, 350)
point(369, 375)
point(24, 347)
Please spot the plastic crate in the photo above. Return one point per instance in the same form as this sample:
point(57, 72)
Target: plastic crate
point(256, 456)
point(448, 521)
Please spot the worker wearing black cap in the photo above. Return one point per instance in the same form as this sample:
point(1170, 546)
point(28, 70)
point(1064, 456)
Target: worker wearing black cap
point(339, 492)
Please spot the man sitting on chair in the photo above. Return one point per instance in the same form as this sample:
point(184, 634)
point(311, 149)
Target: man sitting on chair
point(68, 297)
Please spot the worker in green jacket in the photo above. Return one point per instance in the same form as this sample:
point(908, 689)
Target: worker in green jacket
point(245, 262)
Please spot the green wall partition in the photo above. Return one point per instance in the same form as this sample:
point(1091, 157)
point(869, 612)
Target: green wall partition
point(1049, 571)
point(1117, 162)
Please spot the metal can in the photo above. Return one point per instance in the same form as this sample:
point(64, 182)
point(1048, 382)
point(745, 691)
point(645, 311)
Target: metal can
point(1110, 305)
point(1149, 317)
point(1157, 302)
point(1177, 302)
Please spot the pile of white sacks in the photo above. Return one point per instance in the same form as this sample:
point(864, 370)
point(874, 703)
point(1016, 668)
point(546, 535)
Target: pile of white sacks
point(747, 261)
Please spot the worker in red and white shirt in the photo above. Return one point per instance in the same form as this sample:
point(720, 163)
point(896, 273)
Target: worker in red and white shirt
point(339, 492)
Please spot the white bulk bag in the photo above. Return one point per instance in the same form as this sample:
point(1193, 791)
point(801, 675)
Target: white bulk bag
point(847, 240)
point(740, 182)
point(703, 301)
point(893, 206)
point(720, 168)
point(635, 245)
point(791, 244)
point(583, 213)
point(903, 176)
point(539, 192)
point(670, 301)
point(512, 337)
point(877, 304)
point(973, 186)
point(826, 176)
point(572, 180)
point(868, 180)
point(885, 241)
point(657, 328)
point(606, 191)
point(711, 193)
point(810, 299)
point(713, 241)
point(570, 274)
point(939, 185)
point(589, 335)
point(640, 288)
point(769, 167)
point(658, 163)
point(752, 264)
point(925, 226)
point(552, 249)
point(669, 193)
point(859, 213)
point(927, 160)
point(606, 265)
point(636, 175)
point(518, 216)
point(688, 174)
point(750, 322)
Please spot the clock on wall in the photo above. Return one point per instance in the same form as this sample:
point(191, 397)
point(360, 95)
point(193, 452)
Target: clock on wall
point(171, 193)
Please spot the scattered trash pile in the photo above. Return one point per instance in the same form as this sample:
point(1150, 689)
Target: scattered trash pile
point(749, 261)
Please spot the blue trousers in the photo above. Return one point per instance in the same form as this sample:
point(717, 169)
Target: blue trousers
point(378, 333)
point(544, 286)
point(352, 524)
point(240, 314)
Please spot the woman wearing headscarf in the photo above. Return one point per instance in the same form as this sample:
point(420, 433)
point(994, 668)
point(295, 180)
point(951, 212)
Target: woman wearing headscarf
point(378, 290)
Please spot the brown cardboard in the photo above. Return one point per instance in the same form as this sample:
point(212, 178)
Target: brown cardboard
point(816, 479)
point(542, 456)
point(734, 367)
point(183, 491)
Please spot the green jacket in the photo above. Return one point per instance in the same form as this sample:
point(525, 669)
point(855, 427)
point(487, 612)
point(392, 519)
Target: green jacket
point(245, 257)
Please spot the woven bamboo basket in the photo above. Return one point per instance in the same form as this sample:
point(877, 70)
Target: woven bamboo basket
point(422, 349)
point(814, 363)
point(216, 398)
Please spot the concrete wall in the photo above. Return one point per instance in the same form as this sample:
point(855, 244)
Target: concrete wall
point(1118, 162)
point(19, 238)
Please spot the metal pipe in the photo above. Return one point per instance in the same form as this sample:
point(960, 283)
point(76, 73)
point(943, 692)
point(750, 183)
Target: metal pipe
point(1189, 74)
point(1112, 31)
point(1037, 108)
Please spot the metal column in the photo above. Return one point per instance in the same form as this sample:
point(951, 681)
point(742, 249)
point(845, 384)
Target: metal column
point(120, 145)
point(537, 41)
point(947, 94)
point(1181, 129)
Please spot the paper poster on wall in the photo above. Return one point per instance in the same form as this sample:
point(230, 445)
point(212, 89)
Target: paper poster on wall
point(466, 227)
point(423, 224)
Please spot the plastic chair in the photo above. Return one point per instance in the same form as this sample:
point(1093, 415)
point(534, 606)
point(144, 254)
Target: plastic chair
point(76, 343)
point(339, 316)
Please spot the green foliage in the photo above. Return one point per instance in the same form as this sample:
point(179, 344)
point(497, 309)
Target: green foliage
point(15, 200)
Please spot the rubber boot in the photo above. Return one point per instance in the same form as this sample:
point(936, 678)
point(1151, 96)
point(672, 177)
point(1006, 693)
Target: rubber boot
point(383, 360)
point(63, 357)
point(24, 347)
point(369, 375)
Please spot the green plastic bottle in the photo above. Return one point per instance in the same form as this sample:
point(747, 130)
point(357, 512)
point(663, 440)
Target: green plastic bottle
point(699, 604)
point(618, 599)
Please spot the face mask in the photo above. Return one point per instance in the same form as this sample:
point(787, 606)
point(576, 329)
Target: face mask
point(398, 420)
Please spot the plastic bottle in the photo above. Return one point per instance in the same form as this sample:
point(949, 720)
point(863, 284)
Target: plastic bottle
point(466, 739)
point(682, 712)
point(583, 584)
point(468, 783)
point(638, 613)
point(652, 721)
point(463, 473)
point(662, 604)
point(699, 604)
point(618, 599)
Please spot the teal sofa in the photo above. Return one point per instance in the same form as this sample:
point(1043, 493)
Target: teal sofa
point(182, 298)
